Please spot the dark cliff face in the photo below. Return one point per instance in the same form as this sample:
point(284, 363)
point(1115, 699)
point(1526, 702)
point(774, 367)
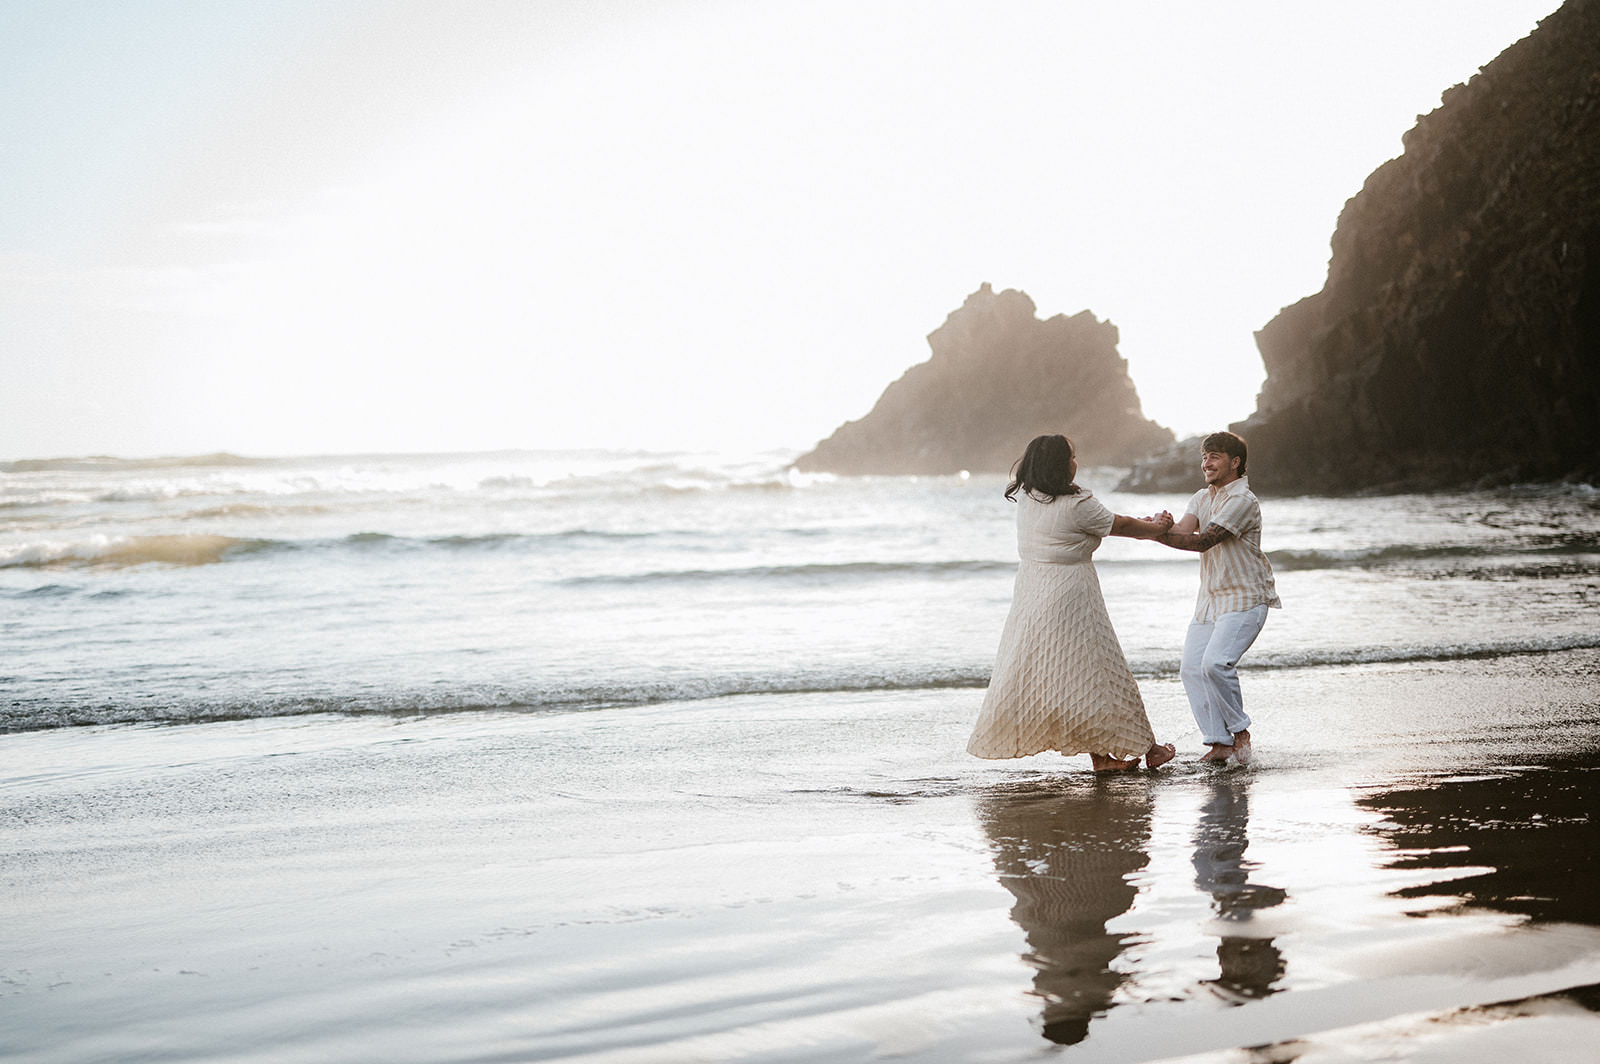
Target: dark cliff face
point(1457, 338)
point(997, 377)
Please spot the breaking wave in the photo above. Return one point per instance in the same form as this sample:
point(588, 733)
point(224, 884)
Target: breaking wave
point(124, 551)
point(1410, 554)
point(105, 464)
point(56, 712)
point(817, 572)
point(1565, 552)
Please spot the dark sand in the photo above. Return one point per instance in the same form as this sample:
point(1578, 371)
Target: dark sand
point(1405, 872)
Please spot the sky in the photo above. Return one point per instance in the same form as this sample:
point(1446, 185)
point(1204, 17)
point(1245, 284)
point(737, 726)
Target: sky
point(291, 227)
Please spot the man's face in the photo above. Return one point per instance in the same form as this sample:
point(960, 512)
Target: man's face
point(1218, 467)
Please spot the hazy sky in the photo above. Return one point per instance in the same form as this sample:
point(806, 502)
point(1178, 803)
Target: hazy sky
point(310, 226)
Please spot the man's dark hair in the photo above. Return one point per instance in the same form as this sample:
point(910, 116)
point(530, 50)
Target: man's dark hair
point(1229, 444)
point(1045, 470)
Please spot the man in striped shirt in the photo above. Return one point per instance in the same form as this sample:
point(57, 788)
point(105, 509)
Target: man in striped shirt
point(1223, 523)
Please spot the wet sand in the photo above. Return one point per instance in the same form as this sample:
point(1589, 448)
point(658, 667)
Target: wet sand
point(1405, 872)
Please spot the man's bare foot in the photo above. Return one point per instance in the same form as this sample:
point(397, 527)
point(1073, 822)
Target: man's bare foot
point(1241, 746)
point(1105, 763)
point(1218, 752)
point(1159, 754)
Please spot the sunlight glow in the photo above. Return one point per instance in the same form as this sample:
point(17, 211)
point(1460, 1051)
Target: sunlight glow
point(717, 225)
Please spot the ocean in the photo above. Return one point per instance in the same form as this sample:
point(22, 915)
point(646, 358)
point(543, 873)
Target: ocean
point(216, 588)
point(650, 758)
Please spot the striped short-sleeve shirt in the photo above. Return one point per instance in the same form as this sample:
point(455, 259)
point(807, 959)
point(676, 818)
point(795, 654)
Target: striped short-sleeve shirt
point(1234, 575)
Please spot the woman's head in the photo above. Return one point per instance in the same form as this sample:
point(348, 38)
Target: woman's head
point(1045, 470)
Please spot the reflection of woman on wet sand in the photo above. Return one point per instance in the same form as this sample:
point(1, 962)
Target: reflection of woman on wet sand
point(1060, 680)
point(1067, 857)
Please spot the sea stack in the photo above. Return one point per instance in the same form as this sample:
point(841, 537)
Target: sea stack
point(1456, 341)
point(997, 377)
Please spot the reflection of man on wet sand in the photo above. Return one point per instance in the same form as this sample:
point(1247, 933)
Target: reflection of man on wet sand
point(1250, 965)
point(1067, 855)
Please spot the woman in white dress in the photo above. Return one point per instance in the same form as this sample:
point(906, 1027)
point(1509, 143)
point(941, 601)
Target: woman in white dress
point(1060, 679)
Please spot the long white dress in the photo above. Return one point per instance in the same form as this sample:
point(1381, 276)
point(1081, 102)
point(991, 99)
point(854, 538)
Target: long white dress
point(1060, 679)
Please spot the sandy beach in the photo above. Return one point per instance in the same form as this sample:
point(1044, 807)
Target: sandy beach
point(1405, 872)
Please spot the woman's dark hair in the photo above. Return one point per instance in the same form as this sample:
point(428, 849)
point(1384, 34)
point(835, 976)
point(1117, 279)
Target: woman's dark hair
point(1045, 470)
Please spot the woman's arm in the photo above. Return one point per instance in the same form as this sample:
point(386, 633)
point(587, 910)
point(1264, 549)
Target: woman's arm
point(1141, 527)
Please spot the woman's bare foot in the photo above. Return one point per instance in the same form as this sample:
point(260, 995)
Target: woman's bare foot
point(1218, 752)
point(1159, 754)
point(1105, 763)
point(1241, 746)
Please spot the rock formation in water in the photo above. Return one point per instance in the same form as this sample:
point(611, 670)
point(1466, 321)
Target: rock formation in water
point(1457, 338)
point(1174, 468)
point(997, 377)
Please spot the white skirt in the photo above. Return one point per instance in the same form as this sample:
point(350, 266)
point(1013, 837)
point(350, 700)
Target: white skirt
point(1060, 679)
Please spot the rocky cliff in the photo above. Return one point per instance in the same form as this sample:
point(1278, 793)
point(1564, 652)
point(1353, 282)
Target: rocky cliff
point(997, 377)
point(1457, 338)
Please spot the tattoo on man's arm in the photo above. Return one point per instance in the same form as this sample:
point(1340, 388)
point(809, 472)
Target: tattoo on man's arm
point(1199, 541)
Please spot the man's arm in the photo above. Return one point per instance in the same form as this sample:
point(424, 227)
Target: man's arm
point(1186, 538)
point(1181, 531)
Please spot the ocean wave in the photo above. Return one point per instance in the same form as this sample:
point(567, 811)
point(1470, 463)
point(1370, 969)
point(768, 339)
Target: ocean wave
point(497, 477)
point(391, 541)
point(55, 711)
point(46, 591)
point(33, 499)
point(208, 549)
point(658, 482)
point(1344, 657)
point(1166, 667)
point(485, 540)
point(165, 492)
point(1489, 563)
point(1568, 555)
point(649, 475)
point(1400, 554)
point(106, 464)
point(125, 551)
point(501, 483)
point(811, 571)
point(255, 510)
point(55, 590)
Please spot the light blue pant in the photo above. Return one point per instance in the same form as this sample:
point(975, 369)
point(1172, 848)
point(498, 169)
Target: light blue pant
point(1211, 653)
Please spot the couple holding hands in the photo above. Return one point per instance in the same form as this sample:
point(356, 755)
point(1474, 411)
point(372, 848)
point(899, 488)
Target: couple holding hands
point(1060, 679)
